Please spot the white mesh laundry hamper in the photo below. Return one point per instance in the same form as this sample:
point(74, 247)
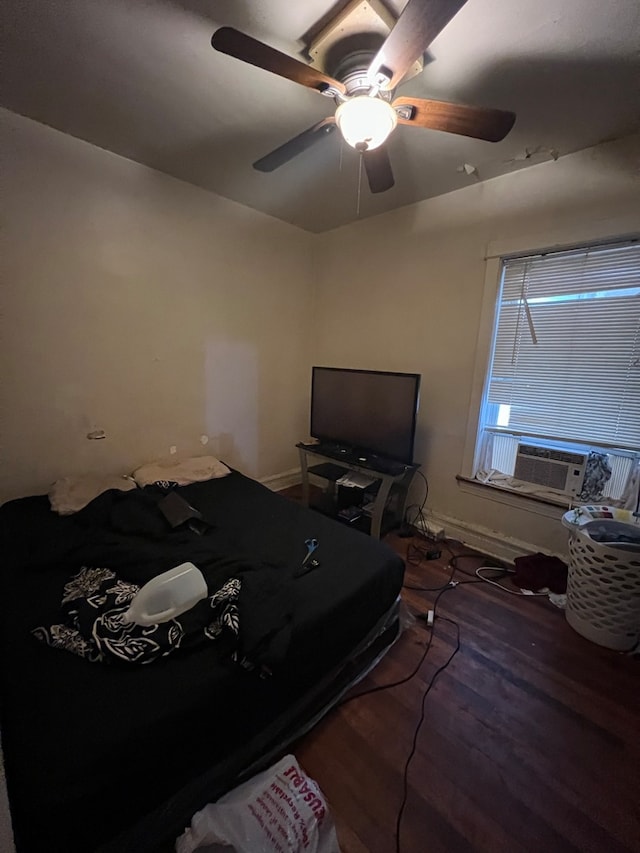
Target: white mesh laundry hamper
point(603, 592)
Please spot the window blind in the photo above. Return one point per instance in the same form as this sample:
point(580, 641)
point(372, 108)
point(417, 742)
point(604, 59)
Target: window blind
point(566, 353)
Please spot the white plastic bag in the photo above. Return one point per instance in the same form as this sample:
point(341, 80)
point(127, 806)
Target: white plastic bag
point(278, 811)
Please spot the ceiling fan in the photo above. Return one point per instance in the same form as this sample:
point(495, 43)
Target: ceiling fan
point(368, 110)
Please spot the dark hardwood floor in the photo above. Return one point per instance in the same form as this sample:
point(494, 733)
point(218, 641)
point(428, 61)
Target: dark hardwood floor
point(530, 739)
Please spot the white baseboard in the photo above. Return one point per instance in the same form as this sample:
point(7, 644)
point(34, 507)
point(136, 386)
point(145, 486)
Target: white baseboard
point(277, 482)
point(489, 542)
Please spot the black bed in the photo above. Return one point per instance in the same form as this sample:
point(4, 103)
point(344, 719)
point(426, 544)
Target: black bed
point(117, 757)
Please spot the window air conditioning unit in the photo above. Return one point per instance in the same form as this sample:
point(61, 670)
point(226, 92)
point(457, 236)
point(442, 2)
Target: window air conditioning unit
point(559, 470)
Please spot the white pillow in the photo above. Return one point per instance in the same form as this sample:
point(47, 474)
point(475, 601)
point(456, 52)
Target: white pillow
point(193, 470)
point(71, 494)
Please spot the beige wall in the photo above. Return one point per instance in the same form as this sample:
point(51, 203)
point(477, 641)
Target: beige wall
point(404, 292)
point(140, 305)
point(137, 304)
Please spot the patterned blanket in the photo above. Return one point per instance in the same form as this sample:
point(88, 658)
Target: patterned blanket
point(93, 625)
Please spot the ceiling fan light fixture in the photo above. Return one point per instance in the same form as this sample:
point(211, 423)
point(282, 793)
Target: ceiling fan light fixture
point(365, 122)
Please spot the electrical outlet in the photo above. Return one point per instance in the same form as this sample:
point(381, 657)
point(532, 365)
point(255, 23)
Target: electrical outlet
point(433, 531)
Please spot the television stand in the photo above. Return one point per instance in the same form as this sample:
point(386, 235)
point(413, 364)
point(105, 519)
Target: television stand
point(391, 484)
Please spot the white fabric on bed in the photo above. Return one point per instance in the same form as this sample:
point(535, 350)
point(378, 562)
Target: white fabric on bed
point(192, 470)
point(71, 494)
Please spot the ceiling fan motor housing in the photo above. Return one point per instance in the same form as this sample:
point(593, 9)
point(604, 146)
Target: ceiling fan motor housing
point(353, 72)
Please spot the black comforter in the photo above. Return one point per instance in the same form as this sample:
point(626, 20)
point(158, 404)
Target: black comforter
point(90, 748)
point(122, 540)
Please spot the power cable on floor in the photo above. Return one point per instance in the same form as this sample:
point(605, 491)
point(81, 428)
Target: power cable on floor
point(432, 681)
point(433, 616)
point(494, 582)
point(404, 680)
point(454, 567)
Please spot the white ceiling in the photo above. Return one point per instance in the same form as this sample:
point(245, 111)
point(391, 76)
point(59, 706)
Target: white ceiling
point(139, 77)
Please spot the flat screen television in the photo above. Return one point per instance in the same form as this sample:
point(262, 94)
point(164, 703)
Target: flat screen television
point(368, 410)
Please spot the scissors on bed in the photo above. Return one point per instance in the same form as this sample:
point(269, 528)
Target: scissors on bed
point(311, 544)
point(308, 564)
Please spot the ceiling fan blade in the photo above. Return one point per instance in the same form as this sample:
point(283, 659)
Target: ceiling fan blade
point(417, 26)
point(378, 168)
point(234, 43)
point(295, 146)
point(477, 122)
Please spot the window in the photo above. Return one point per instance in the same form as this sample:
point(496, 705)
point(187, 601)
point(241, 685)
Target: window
point(564, 376)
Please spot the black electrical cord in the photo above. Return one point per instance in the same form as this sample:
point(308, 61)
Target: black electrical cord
point(451, 584)
point(419, 520)
point(404, 680)
point(421, 721)
point(453, 563)
point(426, 486)
point(418, 507)
point(416, 554)
point(433, 588)
point(424, 695)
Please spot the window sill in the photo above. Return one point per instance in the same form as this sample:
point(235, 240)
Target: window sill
point(502, 494)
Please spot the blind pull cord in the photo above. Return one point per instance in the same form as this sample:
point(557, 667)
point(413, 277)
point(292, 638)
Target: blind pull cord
point(532, 329)
point(516, 334)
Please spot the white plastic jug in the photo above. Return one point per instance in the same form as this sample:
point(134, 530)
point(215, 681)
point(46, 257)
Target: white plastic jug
point(168, 595)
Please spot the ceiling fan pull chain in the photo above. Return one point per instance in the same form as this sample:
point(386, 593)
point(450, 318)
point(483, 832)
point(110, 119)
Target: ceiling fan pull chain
point(359, 181)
